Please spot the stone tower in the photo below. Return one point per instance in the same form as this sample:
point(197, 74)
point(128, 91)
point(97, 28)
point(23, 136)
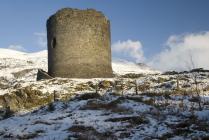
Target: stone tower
point(79, 44)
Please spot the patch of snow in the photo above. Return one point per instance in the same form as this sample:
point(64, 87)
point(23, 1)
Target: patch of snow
point(202, 115)
point(9, 53)
point(124, 67)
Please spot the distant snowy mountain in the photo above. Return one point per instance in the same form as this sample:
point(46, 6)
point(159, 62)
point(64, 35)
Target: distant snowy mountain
point(14, 63)
point(123, 67)
point(9, 53)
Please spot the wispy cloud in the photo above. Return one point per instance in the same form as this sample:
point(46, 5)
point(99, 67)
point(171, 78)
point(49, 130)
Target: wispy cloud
point(179, 51)
point(41, 39)
point(130, 49)
point(17, 48)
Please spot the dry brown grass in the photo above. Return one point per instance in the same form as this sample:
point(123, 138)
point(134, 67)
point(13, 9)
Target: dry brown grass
point(87, 96)
point(82, 87)
point(42, 122)
point(30, 135)
point(112, 106)
point(89, 133)
point(133, 120)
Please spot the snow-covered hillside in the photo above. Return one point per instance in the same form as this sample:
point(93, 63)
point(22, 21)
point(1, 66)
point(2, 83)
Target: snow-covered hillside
point(141, 105)
point(13, 61)
point(124, 67)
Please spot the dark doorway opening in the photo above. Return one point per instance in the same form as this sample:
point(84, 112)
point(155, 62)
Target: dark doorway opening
point(54, 43)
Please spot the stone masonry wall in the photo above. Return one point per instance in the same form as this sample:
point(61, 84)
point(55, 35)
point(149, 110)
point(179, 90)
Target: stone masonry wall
point(79, 44)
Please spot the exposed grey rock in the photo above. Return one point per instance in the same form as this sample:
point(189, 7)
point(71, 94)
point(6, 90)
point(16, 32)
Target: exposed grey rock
point(42, 75)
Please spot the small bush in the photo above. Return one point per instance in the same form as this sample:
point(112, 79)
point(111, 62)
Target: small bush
point(105, 84)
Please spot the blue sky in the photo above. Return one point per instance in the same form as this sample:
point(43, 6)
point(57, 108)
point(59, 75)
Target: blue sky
point(150, 22)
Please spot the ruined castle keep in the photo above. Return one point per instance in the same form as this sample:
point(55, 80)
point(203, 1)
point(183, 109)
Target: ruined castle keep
point(79, 44)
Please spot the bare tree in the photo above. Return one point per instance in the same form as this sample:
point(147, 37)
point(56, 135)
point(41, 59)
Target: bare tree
point(195, 75)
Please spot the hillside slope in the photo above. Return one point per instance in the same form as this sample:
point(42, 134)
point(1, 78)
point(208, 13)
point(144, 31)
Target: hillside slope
point(12, 61)
point(150, 106)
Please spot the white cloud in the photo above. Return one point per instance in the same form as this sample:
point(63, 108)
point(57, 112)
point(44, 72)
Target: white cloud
point(42, 39)
point(179, 51)
point(17, 48)
point(130, 49)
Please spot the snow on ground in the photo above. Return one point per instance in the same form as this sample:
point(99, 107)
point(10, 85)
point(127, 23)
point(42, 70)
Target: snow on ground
point(8, 53)
point(115, 117)
point(161, 106)
point(124, 67)
point(21, 67)
point(203, 115)
point(12, 61)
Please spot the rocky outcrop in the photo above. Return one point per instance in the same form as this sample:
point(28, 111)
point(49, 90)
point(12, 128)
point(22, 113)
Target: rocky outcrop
point(25, 98)
point(42, 75)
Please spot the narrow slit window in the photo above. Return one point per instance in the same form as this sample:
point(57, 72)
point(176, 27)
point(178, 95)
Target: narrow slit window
point(53, 43)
